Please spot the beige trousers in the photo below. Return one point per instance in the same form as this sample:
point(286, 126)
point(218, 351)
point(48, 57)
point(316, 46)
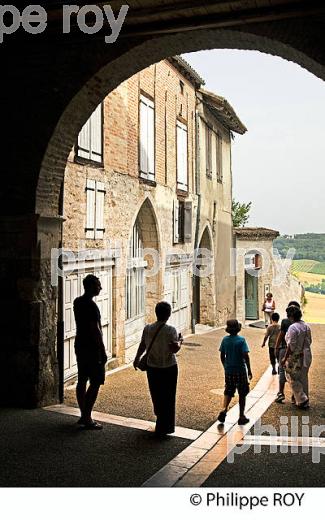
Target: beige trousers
point(299, 385)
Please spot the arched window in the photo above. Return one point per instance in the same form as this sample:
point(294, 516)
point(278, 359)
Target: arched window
point(135, 289)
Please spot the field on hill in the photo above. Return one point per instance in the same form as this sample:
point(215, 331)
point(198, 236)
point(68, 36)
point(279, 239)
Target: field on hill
point(309, 278)
point(314, 311)
point(304, 266)
point(311, 272)
point(308, 266)
point(318, 268)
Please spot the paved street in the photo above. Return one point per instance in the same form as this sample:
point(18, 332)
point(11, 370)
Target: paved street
point(47, 448)
point(200, 387)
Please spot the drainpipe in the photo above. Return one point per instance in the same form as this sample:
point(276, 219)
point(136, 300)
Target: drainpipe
point(198, 212)
point(60, 304)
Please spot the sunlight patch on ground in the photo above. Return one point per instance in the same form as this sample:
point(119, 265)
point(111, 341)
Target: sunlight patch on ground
point(314, 311)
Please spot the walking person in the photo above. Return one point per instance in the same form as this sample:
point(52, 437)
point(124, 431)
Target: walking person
point(235, 359)
point(280, 349)
point(297, 358)
point(90, 350)
point(268, 308)
point(271, 335)
point(161, 342)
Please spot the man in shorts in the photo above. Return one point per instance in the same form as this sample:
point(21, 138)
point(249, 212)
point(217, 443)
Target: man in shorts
point(90, 350)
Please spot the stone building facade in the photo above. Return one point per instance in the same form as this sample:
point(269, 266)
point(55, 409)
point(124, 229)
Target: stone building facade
point(148, 182)
point(260, 270)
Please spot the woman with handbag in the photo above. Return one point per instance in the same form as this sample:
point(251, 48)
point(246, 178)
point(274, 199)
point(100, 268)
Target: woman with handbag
point(297, 358)
point(160, 342)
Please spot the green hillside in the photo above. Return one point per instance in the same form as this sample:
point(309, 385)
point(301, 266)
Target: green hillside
point(308, 246)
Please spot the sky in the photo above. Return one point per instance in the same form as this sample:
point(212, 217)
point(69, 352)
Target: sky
point(279, 164)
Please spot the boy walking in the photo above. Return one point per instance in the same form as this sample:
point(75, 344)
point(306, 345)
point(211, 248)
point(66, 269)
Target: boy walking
point(235, 359)
point(271, 336)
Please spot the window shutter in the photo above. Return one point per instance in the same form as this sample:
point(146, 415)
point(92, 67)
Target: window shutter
point(168, 296)
point(100, 200)
point(184, 288)
point(208, 150)
point(96, 135)
point(84, 141)
point(188, 221)
point(90, 218)
point(151, 142)
point(176, 223)
point(219, 158)
point(143, 136)
point(181, 134)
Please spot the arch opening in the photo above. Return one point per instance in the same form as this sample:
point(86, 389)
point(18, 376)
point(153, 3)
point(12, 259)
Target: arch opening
point(205, 283)
point(142, 282)
point(76, 113)
point(114, 73)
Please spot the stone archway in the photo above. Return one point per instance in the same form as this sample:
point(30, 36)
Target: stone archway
point(116, 71)
point(205, 288)
point(143, 276)
point(65, 98)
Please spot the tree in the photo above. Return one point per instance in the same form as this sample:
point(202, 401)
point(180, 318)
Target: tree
point(240, 213)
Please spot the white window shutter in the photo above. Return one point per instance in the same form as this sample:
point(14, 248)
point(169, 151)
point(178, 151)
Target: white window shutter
point(176, 222)
point(151, 142)
point(100, 201)
point(181, 134)
point(168, 292)
point(84, 141)
point(185, 162)
point(184, 288)
point(179, 153)
point(90, 217)
point(96, 134)
point(143, 137)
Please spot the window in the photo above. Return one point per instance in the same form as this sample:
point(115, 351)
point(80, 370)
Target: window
point(147, 139)
point(135, 278)
point(95, 194)
point(182, 221)
point(219, 157)
point(181, 137)
point(90, 139)
point(208, 150)
point(181, 86)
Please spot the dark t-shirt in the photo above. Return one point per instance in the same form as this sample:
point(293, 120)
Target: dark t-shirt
point(285, 324)
point(87, 316)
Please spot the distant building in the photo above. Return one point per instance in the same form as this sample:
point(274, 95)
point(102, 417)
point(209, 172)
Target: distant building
point(259, 271)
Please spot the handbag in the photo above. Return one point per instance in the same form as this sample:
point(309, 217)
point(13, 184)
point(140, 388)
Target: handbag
point(143, 363)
